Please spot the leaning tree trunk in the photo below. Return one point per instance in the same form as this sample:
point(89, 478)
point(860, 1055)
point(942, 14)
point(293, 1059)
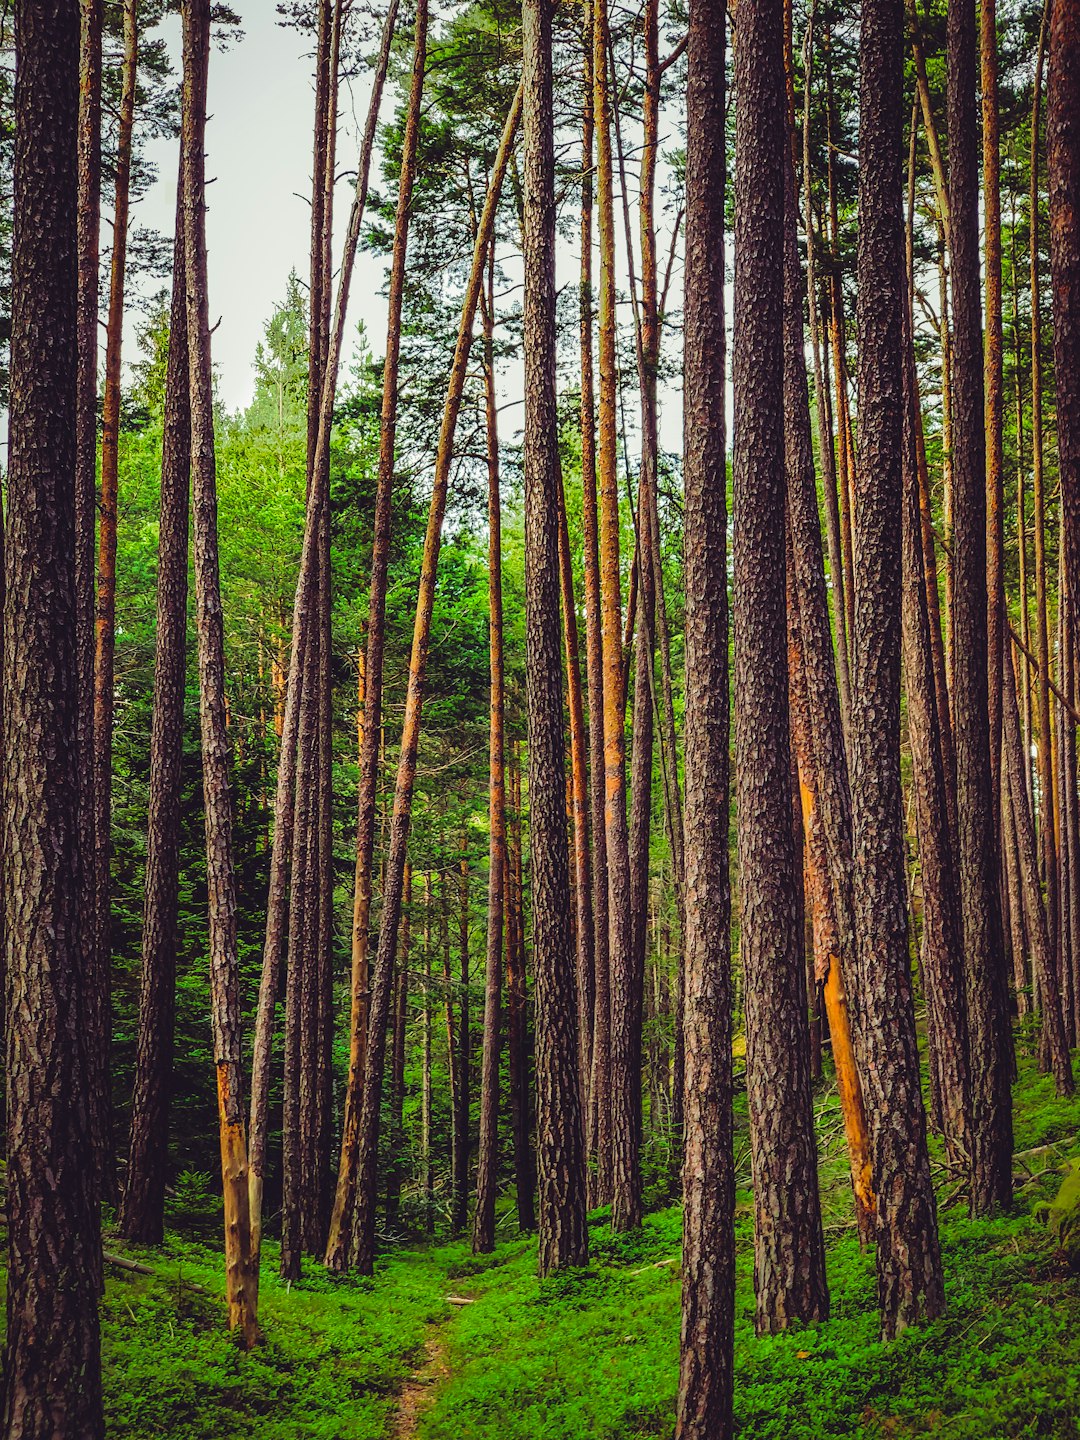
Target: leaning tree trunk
point(52, 1366)
point(143, 1215)
point(706, 1352)
point(789, 1253)
point(367, 1147)
point(980, 900)
point(241, 1276)
point(559, 1140)
point(349, 1182)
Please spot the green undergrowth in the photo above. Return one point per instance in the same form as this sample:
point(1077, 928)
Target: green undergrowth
point(593, 1355)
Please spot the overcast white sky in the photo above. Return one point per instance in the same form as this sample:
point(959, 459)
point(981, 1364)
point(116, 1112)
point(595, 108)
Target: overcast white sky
point(259, 157)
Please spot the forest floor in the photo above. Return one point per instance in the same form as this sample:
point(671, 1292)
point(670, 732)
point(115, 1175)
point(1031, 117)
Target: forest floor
point(595, 1353)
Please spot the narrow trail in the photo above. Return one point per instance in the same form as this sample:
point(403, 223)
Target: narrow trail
point(419, 1391)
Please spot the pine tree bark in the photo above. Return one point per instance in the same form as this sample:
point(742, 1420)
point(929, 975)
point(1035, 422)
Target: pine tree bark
point(910, 1286)
point(559, 1136)
point(942, 950)
point(395, 1162)
point(624, 1103)
point(351, 1169)
point(598, 1118)
point(240, 1263)
point(100, 1013)
point(86, 511)
point(994, 386)
point(410, 736)
point(517, 1036)
point(143, 1215)
point(463, 1057)
point(706, 1350)
point(789, 1268)
point(980, 901)
point(579, 810)
point(341, 1209)
point(1063, 182)
point(52, 1368)
point(1035, 908)
point(483, 1238)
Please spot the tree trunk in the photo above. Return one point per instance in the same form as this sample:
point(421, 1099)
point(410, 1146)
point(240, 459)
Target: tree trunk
point(579, 810)
point(52, 1374)
point(350, 1171)
point(462, 1095)
point(994, 384)
point(410, 736)
point(624, 1102)
point(1046, 975)
point(942, 950)
point(598, 1118)
point(95, 962)
point(706, 1358)
point(560, 1144)
point(1063, 181)
point(517, 1037)
point(143, 1216)
point(395, 1159)
point(240, 1262)
point(789, 1270)
point(980, 900)
point(100, 1011)
point(487, 1164)
point(427, 1169)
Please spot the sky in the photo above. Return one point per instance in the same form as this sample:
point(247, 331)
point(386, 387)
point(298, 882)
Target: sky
point(259, 138)
point(258, 144)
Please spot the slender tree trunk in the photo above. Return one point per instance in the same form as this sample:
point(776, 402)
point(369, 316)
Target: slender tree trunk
point(338, 1242)
point(624, 1103)
point(641, 776)
point(789, 1257)
point(706, 1349)
point(827, 969)
point(560, 1142)
point(410, 738)
point(1063, 180)
point(52, 1367)
point(143, 1214)
point(579, 810)
point(598, 1119)
point(980, 901)
point(86, 510)
point(483, 1239)
point(942, 950)
point(395, 1160)
point(517, 1038)
point(1046, 975)
point(100, 1012)
point(994, 386)
point(1044, 752)
point(826, 454)
point(427, 1169)
point(462, 1060)
point(240, 1262)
